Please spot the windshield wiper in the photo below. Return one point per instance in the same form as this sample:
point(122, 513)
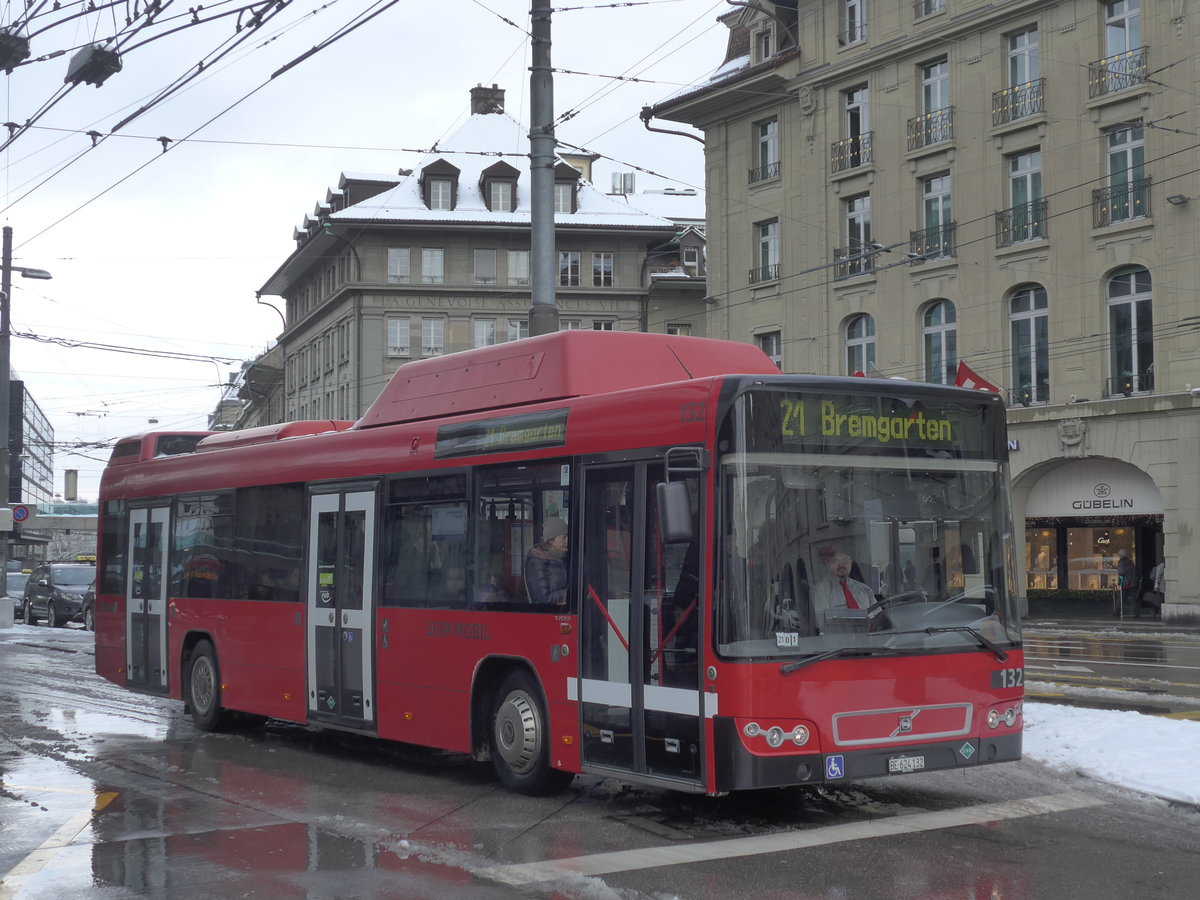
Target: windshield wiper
point(985, 642)
point(789, 668)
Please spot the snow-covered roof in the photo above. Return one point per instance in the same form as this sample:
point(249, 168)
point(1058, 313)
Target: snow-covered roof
point(481, 142)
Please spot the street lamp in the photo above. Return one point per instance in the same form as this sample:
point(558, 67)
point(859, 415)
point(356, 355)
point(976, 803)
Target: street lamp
point(6, 270)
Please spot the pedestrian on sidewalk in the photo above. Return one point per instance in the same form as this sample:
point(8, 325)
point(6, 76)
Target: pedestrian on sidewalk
point(1127, 582)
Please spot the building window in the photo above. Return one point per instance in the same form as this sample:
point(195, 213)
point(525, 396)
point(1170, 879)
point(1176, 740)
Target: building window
point(1124, 64)
point(564, 197)
point(1025, 219)
point(766, 137)
point(922, 8)
point(857, 257)
point(935, 103)
point(936, 239)
point(397, 265)
point(433, 341)
point(398, 336)
point(1127, 194)
point(771, 343)
point(940, 336)
point(433, 265)
point(763, 45)
point(518, 267)
point(680, 328)
point(1024, 87)
point(485, 266)
point(602, 325)
point(517, 329)
point(1028, 324)
point(570, 325)
point(500, 196)
point(767, 252)
point(691, 261)
point(855, 147)
point(441, 192)
point(854, 22)
point(602, 269)
point(1130, 332)
point(568, 268)
point(485, 332)
point(860, 344)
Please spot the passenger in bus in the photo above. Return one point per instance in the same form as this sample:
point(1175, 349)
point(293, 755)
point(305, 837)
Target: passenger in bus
point(546, 565)
point(839, 591)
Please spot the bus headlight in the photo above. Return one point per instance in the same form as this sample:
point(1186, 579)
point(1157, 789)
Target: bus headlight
point(776, 736)
point(1004, 715)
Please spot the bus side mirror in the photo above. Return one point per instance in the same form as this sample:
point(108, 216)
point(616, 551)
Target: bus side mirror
point(674, 512)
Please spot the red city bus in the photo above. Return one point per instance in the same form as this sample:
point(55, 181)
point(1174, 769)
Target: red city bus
point(769, 579)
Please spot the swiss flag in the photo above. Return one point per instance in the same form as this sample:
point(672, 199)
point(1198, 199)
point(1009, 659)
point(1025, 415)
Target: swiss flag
point(969, 378)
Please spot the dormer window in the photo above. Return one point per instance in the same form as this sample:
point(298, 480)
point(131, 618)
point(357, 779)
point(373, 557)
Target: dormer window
point(439, 185)
point(763, 45)
point(566, 188)
point(564, 197)
point(498, 184)
point(441, 191)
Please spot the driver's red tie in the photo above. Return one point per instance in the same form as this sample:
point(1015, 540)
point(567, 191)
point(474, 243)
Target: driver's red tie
point(851, 603)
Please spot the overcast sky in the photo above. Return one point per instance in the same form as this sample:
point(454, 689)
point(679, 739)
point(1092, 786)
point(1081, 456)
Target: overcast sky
point(163, 252)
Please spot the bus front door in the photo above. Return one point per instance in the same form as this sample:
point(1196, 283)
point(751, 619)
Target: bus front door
point(146, 599)
point(340, 587)
point(639, 685)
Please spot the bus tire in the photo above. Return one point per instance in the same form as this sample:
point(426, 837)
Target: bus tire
point(520, 738)
point(204, 688)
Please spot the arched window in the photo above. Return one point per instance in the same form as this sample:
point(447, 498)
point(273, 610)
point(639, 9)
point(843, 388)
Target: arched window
point(1029, 345)
point(940, 338)
point(860, 344)
point(1130, 332)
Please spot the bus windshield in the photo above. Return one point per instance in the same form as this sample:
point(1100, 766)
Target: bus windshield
point(864, 524)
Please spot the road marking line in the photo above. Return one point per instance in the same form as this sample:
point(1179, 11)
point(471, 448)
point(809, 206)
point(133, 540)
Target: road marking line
point(706, 851)
point(12, 883)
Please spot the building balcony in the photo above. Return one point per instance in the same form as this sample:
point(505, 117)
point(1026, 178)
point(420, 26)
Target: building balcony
point(764, 173)
point(1018, 224)
point(1121, 203)
point(851, 153)
point(1118, 72)
point(931, 128)
point(764, 273)
point(935, 242)
point(1018, 102)
point(1131, 383)
point(850, 262)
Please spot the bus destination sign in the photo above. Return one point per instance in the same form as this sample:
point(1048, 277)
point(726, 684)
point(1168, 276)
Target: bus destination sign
point(844, 421)
point(528, 431)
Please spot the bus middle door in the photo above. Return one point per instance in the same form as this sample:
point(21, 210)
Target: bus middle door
point(639, 684)
point(340, 589)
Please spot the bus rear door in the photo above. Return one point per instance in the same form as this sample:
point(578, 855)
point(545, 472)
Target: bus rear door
point(639, 683)
point(146, 599)
point(340, 588)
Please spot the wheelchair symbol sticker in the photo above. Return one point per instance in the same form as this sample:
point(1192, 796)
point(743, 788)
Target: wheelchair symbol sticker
point(835, 766)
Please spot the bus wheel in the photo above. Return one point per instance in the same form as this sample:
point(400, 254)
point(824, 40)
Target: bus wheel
point(204, 688)
point(520, 741)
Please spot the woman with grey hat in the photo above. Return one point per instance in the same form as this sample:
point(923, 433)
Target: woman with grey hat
point(546, 564)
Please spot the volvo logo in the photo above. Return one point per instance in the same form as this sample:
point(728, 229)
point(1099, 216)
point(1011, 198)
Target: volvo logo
point(905, 726)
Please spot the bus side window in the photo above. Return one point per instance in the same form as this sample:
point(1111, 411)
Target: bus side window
point(423, 551)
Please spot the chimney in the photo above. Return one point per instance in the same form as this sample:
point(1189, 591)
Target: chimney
point(485, 101)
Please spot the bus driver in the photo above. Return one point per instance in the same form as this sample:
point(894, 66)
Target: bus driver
point(838, 592)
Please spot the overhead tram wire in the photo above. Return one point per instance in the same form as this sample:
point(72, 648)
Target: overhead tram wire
point(343, 32)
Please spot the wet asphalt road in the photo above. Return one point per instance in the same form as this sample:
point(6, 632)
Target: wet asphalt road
point(109, 794)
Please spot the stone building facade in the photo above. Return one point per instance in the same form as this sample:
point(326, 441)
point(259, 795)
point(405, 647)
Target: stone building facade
point(898, 188)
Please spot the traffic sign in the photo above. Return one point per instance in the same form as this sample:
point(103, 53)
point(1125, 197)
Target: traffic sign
point(20, 513)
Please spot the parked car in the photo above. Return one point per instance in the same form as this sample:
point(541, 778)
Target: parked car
point(16, 592)
point(54, 592)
